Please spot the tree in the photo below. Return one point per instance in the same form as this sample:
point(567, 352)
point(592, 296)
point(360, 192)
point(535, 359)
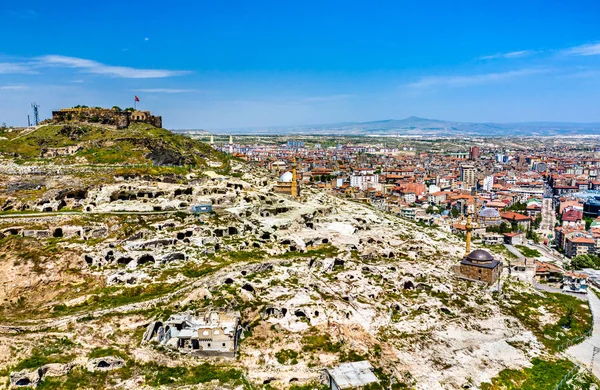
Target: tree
point(531, 235)
point(537, 221)
point(130, 109)
point(518, 206)
point(117, 108)
point(588, 222)
point(585, 261)
point(454, 212)
point(504, 228)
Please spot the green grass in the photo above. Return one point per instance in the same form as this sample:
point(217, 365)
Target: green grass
point(247, 255)
point(573, 316)
point(310, 386)
point(543, 375)
point(101, 145)
point(117, 296)
point(51, 350)
point(158, 375)
point(153, 374)
point(499, 249)
point(103, 352)
point(528, 252)
point(313, 341)
point(80, 378)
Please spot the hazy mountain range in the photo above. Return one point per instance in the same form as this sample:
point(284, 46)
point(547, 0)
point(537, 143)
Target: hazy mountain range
point(414, 126)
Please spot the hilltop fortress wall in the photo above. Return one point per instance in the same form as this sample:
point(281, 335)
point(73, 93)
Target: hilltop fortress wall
point(105, 116)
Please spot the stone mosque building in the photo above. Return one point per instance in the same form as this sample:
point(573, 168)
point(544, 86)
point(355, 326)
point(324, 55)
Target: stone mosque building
point(288, 183)
point(478, 265)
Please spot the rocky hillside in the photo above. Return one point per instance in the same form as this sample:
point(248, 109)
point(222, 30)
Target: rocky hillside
point(89, 263)
point(140, 144)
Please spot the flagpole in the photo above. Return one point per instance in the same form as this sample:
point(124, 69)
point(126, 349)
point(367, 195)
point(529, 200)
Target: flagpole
point(134, 103)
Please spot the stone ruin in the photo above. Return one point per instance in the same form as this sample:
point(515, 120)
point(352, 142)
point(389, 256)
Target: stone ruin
point(32, 378)
point(120, 119)
point(212, 333)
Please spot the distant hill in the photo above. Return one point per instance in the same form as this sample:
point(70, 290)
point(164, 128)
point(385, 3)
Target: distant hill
point(415, 126)
point(139, 144)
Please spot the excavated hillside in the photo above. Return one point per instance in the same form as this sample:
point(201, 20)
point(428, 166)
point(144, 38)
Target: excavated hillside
point(88, 265)
point(139, 144)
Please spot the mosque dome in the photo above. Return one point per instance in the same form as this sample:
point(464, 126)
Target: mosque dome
point(286, 177)
point(480, 256)
point(489, 212)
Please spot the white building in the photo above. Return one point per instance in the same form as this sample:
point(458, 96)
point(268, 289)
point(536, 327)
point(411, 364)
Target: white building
point(364, 181)
point(488, 183)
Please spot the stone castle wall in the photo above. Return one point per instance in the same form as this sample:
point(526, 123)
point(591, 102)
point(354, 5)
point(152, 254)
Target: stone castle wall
point(104, 116)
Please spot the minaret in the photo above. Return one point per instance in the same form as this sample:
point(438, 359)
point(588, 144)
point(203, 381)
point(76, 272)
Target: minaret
point(212, 139)
point(294, 182)
point(468, 227)
point(230, 144)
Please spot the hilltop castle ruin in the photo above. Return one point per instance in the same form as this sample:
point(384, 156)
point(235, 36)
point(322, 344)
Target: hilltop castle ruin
point(120, 119)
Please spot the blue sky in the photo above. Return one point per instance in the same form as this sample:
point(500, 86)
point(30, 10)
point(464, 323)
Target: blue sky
point(222, 64)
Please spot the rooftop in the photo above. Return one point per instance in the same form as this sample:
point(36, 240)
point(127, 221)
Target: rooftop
point(355, 374)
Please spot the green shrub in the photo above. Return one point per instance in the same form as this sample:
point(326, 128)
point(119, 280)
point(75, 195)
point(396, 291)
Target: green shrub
point(287, 356)
point(319, 342)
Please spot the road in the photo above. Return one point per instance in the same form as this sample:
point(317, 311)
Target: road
point(514, 251)
point(583, 352)
point(545, 287)
point(549, 252)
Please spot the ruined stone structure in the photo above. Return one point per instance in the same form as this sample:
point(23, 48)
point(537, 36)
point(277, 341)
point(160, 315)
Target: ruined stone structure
point(105, 116)
point(63, 151)
point(213, 333)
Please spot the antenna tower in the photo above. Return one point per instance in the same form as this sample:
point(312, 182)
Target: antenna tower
point(36, 115)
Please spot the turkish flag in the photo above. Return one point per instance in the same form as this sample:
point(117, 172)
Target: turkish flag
point(137, 99)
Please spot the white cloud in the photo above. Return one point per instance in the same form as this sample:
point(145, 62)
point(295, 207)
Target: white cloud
point(146, 39)
point(15, 68)
point(512, 54)
point(465, 81)
point(164, 90)
point(13, 87)
point(95, 67)
point(590, 49)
